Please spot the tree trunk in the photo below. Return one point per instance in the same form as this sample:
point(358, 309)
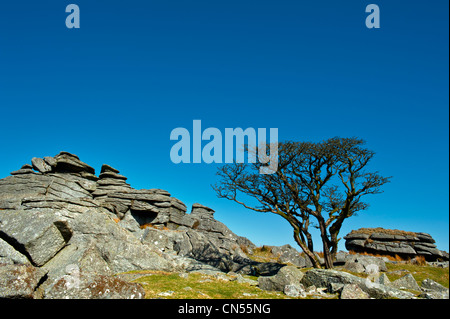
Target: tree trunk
point(309, 254)
point(299, 231)
point(334, 246)
point(326, 244)
point(334, 232)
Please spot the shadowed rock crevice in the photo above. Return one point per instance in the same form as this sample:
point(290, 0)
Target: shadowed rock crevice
point(17, 246)
point(144, 218)
point(64, 229)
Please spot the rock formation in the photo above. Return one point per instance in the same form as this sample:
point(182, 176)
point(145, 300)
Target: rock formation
point(66, 232)
point(393, 242)
point(64, 225)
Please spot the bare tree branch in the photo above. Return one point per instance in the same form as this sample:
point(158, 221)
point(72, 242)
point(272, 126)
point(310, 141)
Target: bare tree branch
point(324, 181)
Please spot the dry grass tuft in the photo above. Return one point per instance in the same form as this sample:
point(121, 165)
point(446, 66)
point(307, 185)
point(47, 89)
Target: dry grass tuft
point(419, 261)
point(244, 248)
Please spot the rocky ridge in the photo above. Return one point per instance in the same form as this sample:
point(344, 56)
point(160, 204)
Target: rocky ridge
point(62, 222)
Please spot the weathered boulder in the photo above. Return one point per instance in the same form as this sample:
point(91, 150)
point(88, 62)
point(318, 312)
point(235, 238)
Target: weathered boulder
point(264, 268)
point(88, 286)
point(405, 282)
point(40, 165)
point(433, 285)
point(393, 242)
point(294, 290)
point(433, 295)
point(341, 258)
point(325, 277)
point(67, 162)
point(19, 281)
point(383, 279)
point(289, 255)
point(81, 253)
point(288, 275)
point(433, 290)
point(367, 264)
point(37, 235)
point(202, 212)
point(197, 246)
point(10, 256)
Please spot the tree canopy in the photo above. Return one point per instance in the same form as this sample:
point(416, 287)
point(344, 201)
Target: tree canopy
point(316, 184)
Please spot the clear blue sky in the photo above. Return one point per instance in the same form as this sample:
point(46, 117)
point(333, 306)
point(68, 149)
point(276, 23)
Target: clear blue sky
point(113, 90)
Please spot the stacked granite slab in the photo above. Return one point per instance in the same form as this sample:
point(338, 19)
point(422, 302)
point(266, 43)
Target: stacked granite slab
point(393, 242)
point(147, 206)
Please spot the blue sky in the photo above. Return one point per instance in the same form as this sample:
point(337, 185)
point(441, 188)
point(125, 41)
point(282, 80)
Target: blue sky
point(113, 90)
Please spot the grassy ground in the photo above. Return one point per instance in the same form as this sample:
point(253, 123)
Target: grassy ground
point(420, 273)
point(395, 271)
point(159, 284)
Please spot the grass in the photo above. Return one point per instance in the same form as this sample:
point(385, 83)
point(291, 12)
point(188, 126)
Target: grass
point(370, 231)
point(159, 284)
point(420, 273)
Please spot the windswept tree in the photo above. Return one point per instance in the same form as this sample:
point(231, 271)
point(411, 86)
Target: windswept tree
point(316, 185)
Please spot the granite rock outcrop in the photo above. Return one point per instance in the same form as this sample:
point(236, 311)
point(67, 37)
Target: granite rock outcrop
point(393, 242)
point(64, 223)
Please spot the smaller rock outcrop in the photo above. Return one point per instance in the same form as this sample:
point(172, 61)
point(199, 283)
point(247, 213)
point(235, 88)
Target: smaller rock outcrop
point(405, 282)
point(393, 242)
